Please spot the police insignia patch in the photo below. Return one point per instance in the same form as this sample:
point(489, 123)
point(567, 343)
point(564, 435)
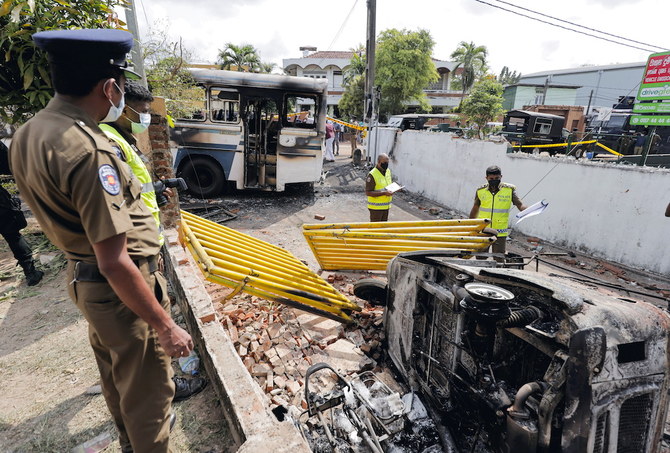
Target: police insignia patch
point(109, 179)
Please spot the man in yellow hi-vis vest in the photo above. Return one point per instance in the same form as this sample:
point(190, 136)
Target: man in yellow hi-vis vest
point(135, 119)
point(379, 199)
point(494, 200)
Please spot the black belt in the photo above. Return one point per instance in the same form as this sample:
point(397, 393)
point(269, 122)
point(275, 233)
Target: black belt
point(87, 272)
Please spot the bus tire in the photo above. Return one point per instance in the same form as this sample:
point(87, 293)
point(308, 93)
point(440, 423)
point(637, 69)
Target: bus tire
point(204, 177)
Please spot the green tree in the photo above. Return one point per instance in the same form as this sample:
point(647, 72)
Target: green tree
point(404, 68)
point(265, 67)
point(508, 77)
point(25, 83)
point(356, 65)
point(472, 59)
point(351, 104)
point(167, 74)
point(484, 103)
point(243, 57)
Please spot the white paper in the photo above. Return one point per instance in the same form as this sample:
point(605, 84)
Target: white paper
point(394, 187)
point(530, 211)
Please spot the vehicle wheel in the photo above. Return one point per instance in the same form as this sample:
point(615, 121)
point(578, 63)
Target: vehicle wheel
point(371, 290)
point(579, 153)
point(204, 177)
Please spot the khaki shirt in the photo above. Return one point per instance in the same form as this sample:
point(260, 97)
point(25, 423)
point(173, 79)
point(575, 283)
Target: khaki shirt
point(77, 186)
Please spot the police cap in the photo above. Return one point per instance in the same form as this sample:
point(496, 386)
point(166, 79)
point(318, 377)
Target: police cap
point(88, 47)
point(493, 170)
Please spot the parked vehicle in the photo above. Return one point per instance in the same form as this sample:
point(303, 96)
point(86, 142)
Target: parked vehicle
point(522, 127)
point(257, 131)
point(442, 122)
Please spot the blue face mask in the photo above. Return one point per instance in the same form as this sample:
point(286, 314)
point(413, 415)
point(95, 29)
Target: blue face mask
point(114, 112)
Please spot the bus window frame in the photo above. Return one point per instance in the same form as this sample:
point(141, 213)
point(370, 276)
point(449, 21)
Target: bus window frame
point(285, 112)
point(205, 112)
point(209, 104)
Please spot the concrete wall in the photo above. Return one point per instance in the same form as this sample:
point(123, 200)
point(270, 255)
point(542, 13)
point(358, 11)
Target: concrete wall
point(612, 211)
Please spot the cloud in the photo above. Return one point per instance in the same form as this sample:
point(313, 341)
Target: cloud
point(610, 3)
point(549, 48)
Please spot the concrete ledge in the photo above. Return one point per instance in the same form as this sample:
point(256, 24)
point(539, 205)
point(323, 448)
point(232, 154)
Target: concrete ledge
point(246, 408)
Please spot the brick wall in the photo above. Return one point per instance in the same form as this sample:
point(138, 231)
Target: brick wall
point(161, 161)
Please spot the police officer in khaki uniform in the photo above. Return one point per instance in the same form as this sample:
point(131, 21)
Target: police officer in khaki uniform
point(88, 204)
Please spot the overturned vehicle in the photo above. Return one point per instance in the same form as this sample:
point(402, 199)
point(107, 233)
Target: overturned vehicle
point(513, 361)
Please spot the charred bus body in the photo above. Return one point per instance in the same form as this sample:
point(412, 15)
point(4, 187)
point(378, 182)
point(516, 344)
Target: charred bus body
point(253, 131)
point(512, 361)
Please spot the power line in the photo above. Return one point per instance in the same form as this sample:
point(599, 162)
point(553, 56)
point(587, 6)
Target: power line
point(337, 35)
point(578, 25)
point(564, 27)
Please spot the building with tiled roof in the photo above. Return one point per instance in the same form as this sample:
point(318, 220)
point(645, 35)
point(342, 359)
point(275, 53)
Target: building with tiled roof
point(331, 64)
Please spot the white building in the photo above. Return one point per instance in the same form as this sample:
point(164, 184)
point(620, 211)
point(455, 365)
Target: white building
point(331, 65)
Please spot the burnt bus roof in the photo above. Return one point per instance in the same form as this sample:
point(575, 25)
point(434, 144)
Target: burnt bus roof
point(526, 114)
point(253, 80)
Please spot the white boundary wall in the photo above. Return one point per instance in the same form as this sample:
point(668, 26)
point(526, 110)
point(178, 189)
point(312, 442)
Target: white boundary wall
point(612, 211)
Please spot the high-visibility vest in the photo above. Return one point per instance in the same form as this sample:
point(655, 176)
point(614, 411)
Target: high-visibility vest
point(496, 207)
point(381, 181)
point(140, 171)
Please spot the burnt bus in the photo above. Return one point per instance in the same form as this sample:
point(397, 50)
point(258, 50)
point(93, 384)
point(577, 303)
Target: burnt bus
point(522, 127)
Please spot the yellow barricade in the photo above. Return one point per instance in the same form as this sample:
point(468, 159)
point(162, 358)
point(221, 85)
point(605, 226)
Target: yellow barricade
point(563, 145)
point(247, 264)
point(370, 246)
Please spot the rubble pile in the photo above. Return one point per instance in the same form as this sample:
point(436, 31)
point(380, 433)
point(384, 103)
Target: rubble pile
point(277, 343)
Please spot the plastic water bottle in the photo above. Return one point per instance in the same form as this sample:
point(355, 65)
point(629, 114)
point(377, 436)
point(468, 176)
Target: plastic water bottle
point(190, 364)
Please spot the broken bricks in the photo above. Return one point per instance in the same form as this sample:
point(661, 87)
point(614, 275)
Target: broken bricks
point(278, 344)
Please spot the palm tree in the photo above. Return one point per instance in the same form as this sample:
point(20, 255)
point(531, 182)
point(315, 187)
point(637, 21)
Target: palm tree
point(265, 67)
point(508, 77)
point(356, 65)
point(472, 59)
point(243, 57)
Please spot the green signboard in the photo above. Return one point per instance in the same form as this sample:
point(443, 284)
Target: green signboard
point(656, 80)
point(652, 107)
point(650, 120)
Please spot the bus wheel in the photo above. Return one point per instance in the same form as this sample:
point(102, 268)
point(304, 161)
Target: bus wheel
point(204, 177)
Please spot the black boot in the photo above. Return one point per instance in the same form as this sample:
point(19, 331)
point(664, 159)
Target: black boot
point(33, 276)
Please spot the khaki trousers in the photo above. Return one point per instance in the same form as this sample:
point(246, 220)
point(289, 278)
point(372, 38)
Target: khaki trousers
point(135, 371)
point(379, 215)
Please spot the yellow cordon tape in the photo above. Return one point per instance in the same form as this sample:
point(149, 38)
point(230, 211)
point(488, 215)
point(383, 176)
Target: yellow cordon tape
point(344, 123)
point(563, 145)
point(370, 246)
point(244, 263)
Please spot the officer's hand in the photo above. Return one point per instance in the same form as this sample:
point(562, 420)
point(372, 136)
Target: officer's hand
point(168, 192)
point(176, 341)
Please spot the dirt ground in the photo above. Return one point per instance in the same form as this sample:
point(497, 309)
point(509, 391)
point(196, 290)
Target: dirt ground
point(48, 365)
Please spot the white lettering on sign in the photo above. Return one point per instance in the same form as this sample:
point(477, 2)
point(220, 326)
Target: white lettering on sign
point(651, 72)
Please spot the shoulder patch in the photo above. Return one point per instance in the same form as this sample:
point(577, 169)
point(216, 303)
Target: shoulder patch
point(109, 179)
point(118, 152)
point(506, 184)
point(483, 186)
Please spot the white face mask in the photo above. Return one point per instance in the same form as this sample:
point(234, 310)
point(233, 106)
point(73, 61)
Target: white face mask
point(145, 121)
point(115, 112)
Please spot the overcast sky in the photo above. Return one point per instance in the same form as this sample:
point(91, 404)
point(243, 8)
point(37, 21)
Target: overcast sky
point(278, 28)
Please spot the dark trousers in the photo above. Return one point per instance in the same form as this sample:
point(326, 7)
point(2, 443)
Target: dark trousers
point(18, 246)
point(379, 215)
point(135, 371)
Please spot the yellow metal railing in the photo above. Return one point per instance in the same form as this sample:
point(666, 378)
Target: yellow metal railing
point(370, 246)
point(247, 264)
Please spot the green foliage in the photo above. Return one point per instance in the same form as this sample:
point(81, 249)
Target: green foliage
point(472, 59)
point(356, 65)
point(404, 68)
point(243, 58)
point(167, 75)
point(484, 103)
point(351, 105)
point(508, 77)
point(25, 83)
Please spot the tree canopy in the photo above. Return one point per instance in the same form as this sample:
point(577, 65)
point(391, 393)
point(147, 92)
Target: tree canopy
point(351, 105)
point(472, 59)
point(25, 82)
point(404, 68)
point(508, 77)
point(243, 58)
point(484, 102)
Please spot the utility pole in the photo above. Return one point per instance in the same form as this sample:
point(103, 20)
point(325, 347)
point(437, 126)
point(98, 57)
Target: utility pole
point(136, 52)
point(370, 115)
